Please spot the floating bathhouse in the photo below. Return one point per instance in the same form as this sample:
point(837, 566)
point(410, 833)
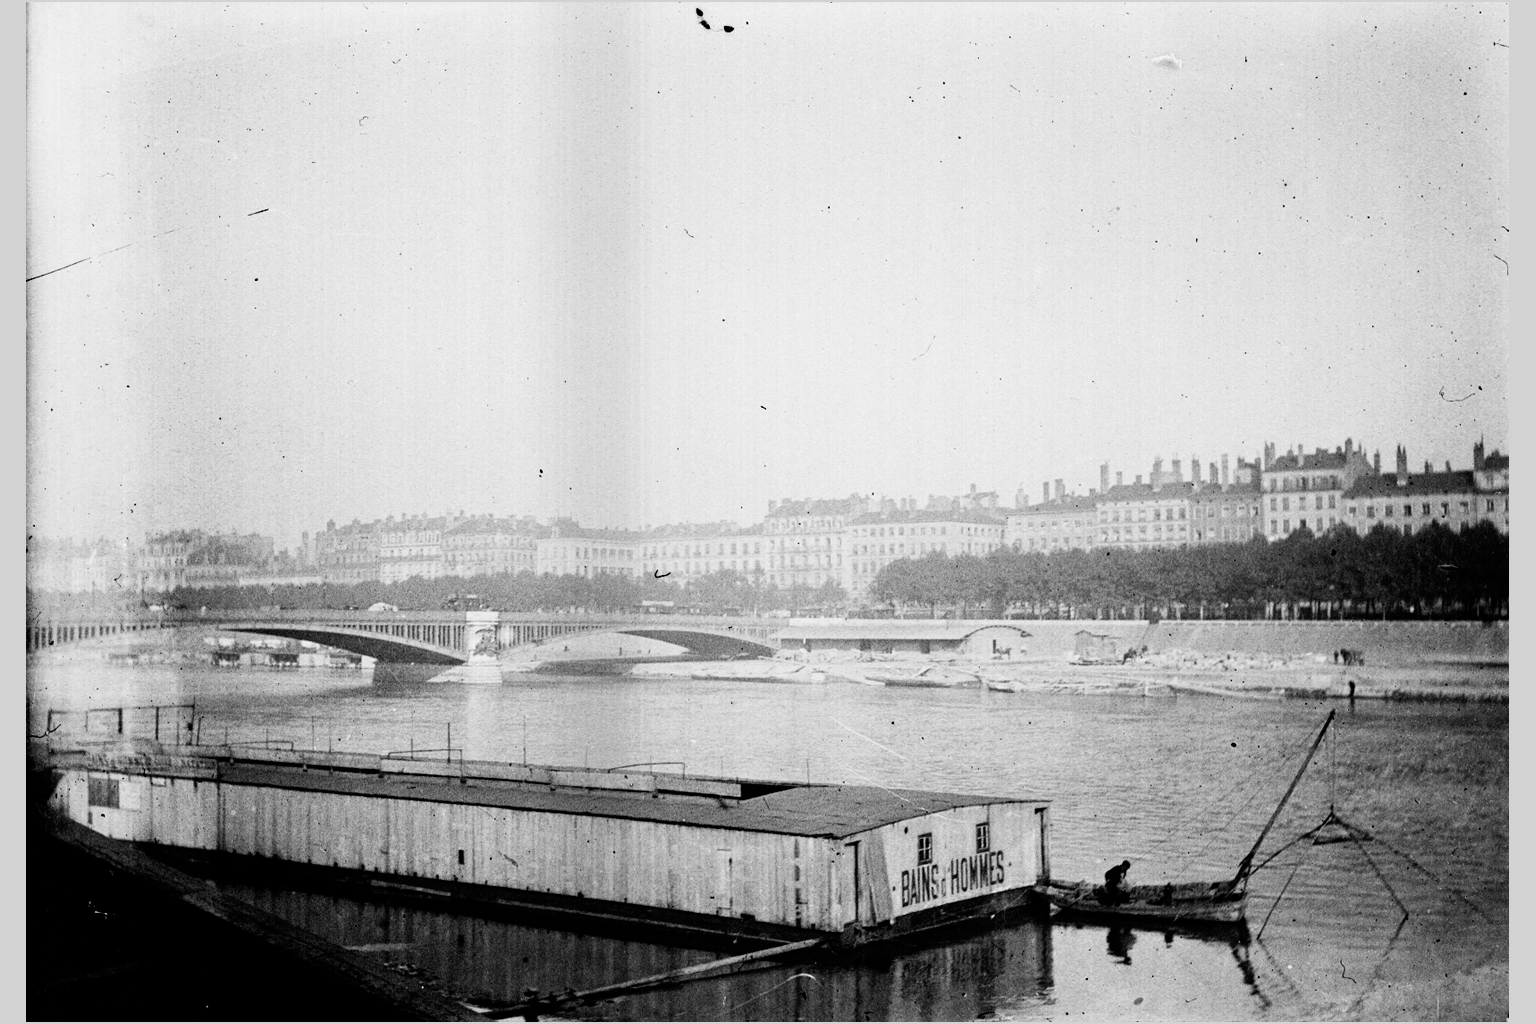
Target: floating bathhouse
point(771, 860)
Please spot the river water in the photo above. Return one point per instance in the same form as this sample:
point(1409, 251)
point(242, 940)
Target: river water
point(1179, 786)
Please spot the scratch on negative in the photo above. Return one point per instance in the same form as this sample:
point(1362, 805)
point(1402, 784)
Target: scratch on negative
point(1504, 261)
point(866, 739)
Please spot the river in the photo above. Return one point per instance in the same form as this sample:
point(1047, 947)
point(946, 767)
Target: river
point(1179, 786)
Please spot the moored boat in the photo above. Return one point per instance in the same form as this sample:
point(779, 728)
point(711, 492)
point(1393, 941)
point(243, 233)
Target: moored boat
point(1188, 903)
point(1223, 902)
point(930, 676)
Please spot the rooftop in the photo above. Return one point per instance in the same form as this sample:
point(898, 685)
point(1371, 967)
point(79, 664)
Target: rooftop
point(926, 516)
point(1145, 492)
point(830, 811)
point(817, 507)
point(1316, 460)
point(1386, 485)
point(1069, 503)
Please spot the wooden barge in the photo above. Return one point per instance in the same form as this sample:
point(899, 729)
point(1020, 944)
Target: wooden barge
point(752, 859)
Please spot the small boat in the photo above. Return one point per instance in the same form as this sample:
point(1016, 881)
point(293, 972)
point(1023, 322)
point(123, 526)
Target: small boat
point(930, 676)
point(1186, 903)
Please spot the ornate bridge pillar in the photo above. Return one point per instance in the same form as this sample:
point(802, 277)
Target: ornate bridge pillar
point(480, 636)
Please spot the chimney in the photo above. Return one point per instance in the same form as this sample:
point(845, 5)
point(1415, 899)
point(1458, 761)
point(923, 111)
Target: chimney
point(772, 505)
point(1477, 454)
point(1402, 465)
point(1061, 489)
point(1138, 479)
point(1104, 477)
point(1178, 471)
point(1045, 490)
point(1428, 467)
point(1349, 447)
point(1376, 462)
point(1448, 465)
point(1226, 477)
point(1194, 471)
point(1119, 478)
point(1215, 476)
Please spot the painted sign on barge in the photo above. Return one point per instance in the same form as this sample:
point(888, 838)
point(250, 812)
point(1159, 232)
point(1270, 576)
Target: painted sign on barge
point(768, 860)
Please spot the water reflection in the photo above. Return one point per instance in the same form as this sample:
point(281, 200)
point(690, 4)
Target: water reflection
point(1121, 939)
point(491, 962)
point(1181, 787)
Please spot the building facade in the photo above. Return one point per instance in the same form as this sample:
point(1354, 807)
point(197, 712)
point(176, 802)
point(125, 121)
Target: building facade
point(1063, 523)
point(1225, 515)
point(570, 550)
point(1409, 502)
point(411, 547)
point(805, 540)
point(490, 546)
point(1306, 491)
point(347, 554)
point(877, 539)
point(686, 552)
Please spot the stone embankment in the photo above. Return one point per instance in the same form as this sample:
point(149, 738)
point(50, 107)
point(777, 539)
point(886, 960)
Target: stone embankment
point(1172, 672)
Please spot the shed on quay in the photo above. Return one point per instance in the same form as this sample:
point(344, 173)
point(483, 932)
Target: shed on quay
point(769, 860)
point(901, 636)
point(1095, 648)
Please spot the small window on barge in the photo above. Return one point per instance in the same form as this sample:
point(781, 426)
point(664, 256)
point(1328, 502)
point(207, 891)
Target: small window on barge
point(102, 791)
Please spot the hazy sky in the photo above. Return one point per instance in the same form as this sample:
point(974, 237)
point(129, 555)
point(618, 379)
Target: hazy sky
point(597, 261)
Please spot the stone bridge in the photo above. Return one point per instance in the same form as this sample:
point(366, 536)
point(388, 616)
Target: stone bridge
point(433, 638)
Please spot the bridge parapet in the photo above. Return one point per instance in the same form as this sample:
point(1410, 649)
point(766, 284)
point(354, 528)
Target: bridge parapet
point(462, 633)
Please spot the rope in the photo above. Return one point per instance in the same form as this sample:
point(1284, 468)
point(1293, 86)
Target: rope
point(1434, 878)
point(1372, 862)
point(1272, 907)
point(1381, 963)
point(1285, 760)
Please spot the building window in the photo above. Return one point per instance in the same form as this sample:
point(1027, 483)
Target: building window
point(925, 848)
point(1370, 511)
point(1287, 525)
point(1407, 510)
point(983, 837)
point(1272, 507)
point(102, 791)
point(1285, 504)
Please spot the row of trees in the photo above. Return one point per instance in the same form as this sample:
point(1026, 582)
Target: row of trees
point(721, 592)
point(1433, 573)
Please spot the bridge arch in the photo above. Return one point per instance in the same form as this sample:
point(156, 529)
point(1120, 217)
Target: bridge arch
point(371, 644)
point(707, 643)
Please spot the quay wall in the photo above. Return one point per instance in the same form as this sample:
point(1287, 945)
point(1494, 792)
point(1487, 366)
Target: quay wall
point(1393, 642)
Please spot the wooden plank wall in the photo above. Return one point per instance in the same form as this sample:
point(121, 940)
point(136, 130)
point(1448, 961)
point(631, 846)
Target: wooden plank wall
point(775, 878)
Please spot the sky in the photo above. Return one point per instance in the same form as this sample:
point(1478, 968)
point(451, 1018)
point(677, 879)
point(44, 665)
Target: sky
point(598, 261)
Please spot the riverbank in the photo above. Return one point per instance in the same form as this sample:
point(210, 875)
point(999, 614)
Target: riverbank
point(1247, 677)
